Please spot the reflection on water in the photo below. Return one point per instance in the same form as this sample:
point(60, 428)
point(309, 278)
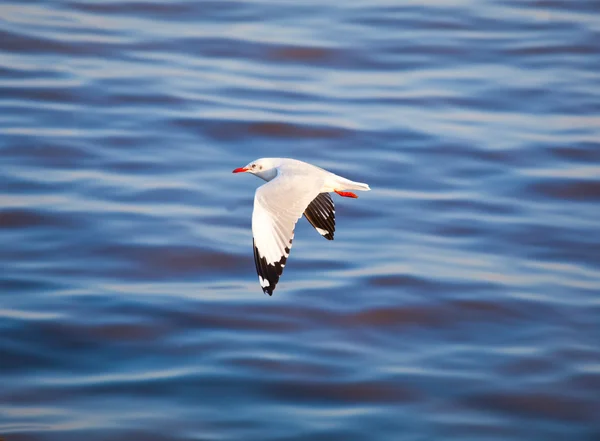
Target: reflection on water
point(459, 299)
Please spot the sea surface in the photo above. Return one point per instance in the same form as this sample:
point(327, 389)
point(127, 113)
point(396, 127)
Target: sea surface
point(460, 299)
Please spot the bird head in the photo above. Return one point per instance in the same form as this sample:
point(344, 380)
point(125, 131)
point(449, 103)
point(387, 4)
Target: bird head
point(264, 168)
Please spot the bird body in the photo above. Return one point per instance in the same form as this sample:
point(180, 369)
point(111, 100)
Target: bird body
point(293, 188)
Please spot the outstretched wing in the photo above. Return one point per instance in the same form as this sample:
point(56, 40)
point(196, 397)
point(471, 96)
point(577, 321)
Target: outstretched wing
point(278, 205)
point(321, 215)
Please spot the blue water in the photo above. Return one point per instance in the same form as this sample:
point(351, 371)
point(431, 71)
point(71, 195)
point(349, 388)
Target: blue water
point(459, 301)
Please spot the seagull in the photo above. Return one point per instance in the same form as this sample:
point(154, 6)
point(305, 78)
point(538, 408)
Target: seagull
point(293, 188)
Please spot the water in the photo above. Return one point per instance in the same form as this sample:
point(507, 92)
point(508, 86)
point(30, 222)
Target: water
point(459, 301)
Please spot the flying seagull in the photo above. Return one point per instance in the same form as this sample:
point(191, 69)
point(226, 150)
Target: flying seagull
point(293, 188)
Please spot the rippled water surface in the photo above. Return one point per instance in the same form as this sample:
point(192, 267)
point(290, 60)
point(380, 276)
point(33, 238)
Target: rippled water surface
point(459, 301)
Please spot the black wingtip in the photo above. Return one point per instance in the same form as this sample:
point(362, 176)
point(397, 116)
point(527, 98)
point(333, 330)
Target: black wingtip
point(321, 215)
point(269, 273)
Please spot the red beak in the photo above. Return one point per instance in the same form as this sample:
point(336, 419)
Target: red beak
point(240, 170)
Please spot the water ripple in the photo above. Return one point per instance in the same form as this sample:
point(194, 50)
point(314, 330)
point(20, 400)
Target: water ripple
point(459, 299)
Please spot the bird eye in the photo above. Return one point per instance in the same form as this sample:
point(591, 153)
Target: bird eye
point(253, 165)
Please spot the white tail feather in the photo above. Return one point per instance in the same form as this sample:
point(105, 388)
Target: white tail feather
point(347, 184)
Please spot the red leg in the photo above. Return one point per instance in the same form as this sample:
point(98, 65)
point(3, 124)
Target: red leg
point(346, 194)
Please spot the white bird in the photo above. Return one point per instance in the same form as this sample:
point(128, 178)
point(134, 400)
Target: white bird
point(293, 188)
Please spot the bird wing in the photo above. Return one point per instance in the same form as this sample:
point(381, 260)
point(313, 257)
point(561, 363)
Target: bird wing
point(278, 205)
point(321, 215)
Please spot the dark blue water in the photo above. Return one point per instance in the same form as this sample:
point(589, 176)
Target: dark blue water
point(459, 301)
